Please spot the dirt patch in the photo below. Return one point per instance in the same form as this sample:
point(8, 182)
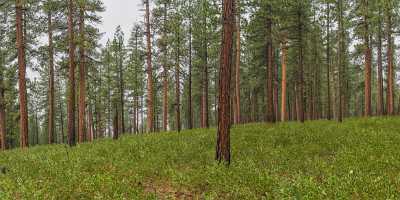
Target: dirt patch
point(165, 190)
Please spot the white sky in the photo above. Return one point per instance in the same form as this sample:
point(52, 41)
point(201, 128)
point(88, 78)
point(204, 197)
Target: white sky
point(120, 12)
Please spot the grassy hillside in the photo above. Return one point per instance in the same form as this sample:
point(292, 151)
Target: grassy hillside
point(359, 159)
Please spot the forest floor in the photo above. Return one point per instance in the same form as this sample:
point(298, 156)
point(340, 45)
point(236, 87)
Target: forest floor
point(359, 159)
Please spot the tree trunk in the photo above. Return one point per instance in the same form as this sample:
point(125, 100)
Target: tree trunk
point(204, 95)
point(137, 114)
point(190, 104)
point(141, 114)
point(36, 129)
point(390, 75)
point(99, 123)
point(270, 69)
point(300, 72)
point(51, 80)
point(90, 125)
point(223, 139)
point(276, 92)
point(165, 72)
point(82, 77)
point(341, 50)
point(283, 91)
point(149, 70)
point(380, 107)
point(3, 142)
point(177, 88)
point(134, 127)
point(121, 90)
point(60, 107)
point(165, 98)
point(109, 106)
point(252, 106)
point(367, 73)
point(71, 76)
point(116, 123)
point(237, 119)
point(328, 57)
point(23, 107)
point(2, 116)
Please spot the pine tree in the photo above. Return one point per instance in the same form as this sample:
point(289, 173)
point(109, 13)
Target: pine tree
point(223, 139)
point(21, 74)
point(71, 75)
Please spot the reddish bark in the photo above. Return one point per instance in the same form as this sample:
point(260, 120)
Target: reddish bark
point(51, 80)
point(367, 72)
point(71, 76)
point(270, 70)
point(82, 78)
point(223, 139)
point(23, 108)
point(390, 74)
point(380, 107)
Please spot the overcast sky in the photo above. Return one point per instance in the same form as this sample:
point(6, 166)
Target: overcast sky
point(120, 12)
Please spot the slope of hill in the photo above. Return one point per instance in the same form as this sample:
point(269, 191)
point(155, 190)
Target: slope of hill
point(359, 159)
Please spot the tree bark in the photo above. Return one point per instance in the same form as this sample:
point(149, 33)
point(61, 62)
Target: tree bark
point(390, 74)
point(121, 90)
point(82, 77)
point(60, 107)
point(190, 104)
point(177, 87)
point(300, 81)
point(270, 69)
point(71, 76)
point(328, 57)
point(204, 95)
point(3, 143)
point(134, 115)
point(237, 119)
point(165, 72)
point(380, 106)
point(36, 129)
point(283, 91)
point(165, 99)
point(367, 72)
point(23, 106)
point(2, 115)
point(90, 128)
point(150, 108)
point(223, 139)
point(51, 80)
point(116, 123)
point(341, 50)
point(276, 92)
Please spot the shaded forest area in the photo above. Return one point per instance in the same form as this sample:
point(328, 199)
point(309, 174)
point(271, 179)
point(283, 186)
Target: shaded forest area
point(277, 61)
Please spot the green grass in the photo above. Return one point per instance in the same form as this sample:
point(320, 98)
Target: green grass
point(359, 159)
